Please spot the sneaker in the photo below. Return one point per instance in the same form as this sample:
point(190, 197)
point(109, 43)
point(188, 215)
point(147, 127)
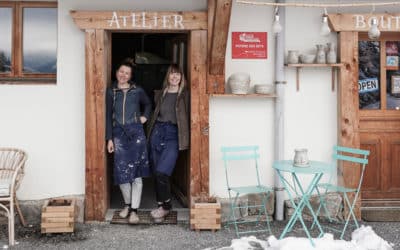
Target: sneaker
point(159, 214)
point(124, 212)
point(133, 218)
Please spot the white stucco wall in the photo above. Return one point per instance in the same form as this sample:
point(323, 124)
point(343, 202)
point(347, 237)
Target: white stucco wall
point(49, 121)
point(310, 115)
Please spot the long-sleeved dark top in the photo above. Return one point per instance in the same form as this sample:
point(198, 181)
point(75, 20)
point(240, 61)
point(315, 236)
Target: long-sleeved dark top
point(124, 107)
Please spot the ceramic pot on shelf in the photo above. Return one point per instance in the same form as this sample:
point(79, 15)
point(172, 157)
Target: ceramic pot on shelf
point(331, 54)
point(321, 56)
point(293, 56)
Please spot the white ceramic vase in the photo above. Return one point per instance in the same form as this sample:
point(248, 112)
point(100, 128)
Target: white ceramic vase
point(331, 54)
point(321, 56)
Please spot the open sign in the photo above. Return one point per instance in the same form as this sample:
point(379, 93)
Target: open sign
point(368, 85)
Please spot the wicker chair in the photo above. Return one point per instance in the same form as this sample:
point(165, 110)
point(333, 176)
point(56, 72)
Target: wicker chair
point(12, 162)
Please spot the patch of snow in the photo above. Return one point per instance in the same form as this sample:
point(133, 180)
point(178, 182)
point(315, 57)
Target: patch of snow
point(363, 238)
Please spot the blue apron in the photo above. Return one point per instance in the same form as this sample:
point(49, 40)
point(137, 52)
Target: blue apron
point(164, 147)
point(130, 156)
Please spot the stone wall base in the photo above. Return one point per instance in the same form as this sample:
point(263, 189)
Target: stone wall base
point(32, 210)
point(243, 201)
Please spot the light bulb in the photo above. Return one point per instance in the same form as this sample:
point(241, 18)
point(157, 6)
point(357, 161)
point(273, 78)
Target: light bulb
point(325, 30)
point(276, 26)
point(373, 32)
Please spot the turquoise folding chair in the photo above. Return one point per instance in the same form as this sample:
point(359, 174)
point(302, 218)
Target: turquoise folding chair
point(246, 154)
point(344, 154)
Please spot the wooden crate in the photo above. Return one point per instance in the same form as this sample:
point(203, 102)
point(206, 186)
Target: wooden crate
point(205, 216)
point(58, 216)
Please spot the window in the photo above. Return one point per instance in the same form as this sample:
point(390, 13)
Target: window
point(28, 44)
point(379, 73)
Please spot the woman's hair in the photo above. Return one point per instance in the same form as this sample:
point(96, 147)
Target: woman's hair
point(128, 62)
point(174, 68)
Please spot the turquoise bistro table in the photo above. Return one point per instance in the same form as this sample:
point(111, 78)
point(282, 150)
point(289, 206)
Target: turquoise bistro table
point(314, 168)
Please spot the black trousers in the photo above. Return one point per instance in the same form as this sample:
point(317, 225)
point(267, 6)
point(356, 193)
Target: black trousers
point(163, 189)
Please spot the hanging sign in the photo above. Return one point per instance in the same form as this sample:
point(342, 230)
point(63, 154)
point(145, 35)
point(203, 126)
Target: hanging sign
point(249, 45)
point(368, 85)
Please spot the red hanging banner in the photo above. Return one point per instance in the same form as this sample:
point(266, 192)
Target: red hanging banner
point(249, 45)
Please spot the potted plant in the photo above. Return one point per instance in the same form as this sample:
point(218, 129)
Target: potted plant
point(205, 213)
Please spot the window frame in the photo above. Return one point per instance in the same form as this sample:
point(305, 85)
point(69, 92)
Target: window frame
point(16, 75)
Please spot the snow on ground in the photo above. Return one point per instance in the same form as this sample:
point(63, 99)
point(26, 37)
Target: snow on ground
point(363, 238)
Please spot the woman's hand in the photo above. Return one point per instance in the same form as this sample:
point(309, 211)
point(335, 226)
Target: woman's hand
point(143, 119)
point(110, 146)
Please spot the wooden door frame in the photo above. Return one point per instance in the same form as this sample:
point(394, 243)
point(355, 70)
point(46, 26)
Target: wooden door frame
point(97, 69)
point(349, 26)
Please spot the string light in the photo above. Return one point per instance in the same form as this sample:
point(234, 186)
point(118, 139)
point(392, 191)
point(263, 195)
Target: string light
point(373, 32)
point(325, 30)
point(276, 25)
point(316, 5)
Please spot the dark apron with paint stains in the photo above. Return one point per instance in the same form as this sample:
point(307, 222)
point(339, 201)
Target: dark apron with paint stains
point(164, 147)
point(130, 157)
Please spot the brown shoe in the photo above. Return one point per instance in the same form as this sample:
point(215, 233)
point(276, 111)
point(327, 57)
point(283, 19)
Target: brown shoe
point(133, 218)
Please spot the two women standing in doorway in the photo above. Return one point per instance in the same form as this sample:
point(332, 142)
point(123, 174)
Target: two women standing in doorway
point(168, 133)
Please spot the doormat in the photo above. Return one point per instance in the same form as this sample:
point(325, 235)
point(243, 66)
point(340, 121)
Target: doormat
point(145, 218)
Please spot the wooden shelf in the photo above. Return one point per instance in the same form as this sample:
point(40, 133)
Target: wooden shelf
point(333, 67)
point(300, 65)
point(245, 95)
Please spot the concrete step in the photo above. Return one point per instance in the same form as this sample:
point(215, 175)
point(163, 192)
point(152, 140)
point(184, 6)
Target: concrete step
point(378, 210)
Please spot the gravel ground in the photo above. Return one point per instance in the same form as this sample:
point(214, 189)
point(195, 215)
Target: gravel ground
point(111, 236)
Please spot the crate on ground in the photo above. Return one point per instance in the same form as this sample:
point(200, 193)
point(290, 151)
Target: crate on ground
point(205, 216)
point(58, 216)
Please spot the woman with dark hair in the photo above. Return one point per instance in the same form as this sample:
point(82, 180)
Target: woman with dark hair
point(169, 133)
point(126, 138)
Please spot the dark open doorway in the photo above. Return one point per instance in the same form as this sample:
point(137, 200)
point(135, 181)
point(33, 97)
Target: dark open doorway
point(153, 52)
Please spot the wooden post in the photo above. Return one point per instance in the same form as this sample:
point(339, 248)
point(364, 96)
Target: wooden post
point(218, 28)
point(96, 190)
point(199, 158)
point(348, 113)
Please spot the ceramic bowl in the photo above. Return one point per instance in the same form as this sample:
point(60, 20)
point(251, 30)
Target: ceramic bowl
point(264, 88)
point(307, 58)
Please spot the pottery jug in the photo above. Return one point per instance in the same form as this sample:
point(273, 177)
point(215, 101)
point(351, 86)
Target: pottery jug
point(300, 157)
point(293, 56)
point(321, 56)
point(331, 54)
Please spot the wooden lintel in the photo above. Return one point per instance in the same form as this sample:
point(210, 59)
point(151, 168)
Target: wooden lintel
point(140, 20)
point(361, 22)
point(219, 36)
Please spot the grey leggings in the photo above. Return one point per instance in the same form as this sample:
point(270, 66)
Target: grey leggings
point(132, 192)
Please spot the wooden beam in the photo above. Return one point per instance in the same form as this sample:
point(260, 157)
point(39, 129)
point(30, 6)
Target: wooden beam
point(199, 158)
point(96, 190)
point(220, 36)
point(140, 21)
point(361, 22)
point(348, 102)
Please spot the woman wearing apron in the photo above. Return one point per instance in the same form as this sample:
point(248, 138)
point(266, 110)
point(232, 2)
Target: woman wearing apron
point(126, 138)
point(169, 130)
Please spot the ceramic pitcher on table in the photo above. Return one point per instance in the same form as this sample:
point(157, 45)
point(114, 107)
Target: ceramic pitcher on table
point(300, 157)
